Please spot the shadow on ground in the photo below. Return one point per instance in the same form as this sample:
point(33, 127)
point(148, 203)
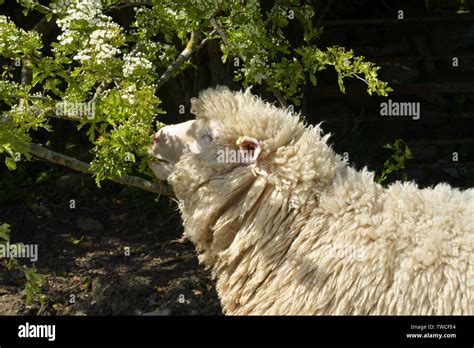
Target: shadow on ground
point(117, 252)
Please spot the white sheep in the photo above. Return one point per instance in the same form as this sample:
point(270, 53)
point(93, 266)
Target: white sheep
point(295, 230)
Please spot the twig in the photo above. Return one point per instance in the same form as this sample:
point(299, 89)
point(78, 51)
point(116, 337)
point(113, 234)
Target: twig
point(217, 27)
point(40, 97)
point(100, 89)
point(204, 41)
point(45, 8)
point(83, 167)
point(26, 71)
point(221, 32)
point(183, 56)
point(51, 112)
point(360, 78)
point(43, 26)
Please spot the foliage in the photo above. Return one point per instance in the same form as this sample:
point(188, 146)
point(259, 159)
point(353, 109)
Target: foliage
point(5, 232)
point(105, 74)
point(397, 161)
point(34, 280)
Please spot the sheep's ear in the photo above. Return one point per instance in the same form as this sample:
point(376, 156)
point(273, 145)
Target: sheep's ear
point(250, 144)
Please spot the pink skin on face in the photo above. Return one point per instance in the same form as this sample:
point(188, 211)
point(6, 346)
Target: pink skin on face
point(171, 142)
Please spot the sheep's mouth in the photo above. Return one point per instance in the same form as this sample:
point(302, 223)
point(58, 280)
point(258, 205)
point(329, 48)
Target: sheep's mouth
point(160, 160)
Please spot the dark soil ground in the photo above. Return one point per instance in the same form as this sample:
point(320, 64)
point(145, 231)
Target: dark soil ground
point(83, 251)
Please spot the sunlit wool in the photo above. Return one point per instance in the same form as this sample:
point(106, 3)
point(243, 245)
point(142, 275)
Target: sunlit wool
point(301, 232)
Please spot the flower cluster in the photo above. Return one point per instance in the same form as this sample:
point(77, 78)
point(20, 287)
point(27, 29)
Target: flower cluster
point(72, 12)
point(128, 95)
point(97, 47)
point(81, 17)
point(136, 64)
point(8, 88)
point(15, 42)
point(61, 6)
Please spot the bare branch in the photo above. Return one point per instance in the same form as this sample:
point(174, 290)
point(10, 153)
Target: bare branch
point(51, 112)
point(83, 167)
point(221, 33)
point(278, 95)
point(100, 89)
point(360, 78)
point(26, 73)
point(203, 42)
point(45, 8)
point(41, 97)
point(217, 27)
point(183, 56)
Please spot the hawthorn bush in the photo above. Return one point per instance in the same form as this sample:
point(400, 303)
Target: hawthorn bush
point(107, 78)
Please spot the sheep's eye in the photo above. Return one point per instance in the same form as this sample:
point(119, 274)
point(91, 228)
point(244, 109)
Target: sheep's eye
point(207, 139)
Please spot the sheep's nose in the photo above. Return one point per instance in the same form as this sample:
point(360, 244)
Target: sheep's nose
point(156, 138)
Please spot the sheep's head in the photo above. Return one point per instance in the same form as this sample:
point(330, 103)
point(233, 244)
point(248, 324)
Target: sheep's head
point(238, 129)
point(173, 142)
point(238, 148)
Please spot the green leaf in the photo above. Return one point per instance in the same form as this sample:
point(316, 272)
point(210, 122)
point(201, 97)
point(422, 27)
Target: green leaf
point(340, 82)
point(10, 163)
point(34, 281)
point(130, 157)
point(5, 232)
point(76, 72)
point(38, 77)
point(312, 78)
point(43, 177)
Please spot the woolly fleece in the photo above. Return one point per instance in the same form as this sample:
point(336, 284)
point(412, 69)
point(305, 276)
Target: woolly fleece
point(301, 232)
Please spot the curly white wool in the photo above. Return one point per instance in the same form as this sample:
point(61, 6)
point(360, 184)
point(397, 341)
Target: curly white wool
point(304, 233)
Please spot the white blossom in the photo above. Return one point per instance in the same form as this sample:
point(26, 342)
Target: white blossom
point(97, 48)
point(133, 63)
point(129, 95)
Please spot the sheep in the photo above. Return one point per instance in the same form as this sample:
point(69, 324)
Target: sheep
point(294, 230)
